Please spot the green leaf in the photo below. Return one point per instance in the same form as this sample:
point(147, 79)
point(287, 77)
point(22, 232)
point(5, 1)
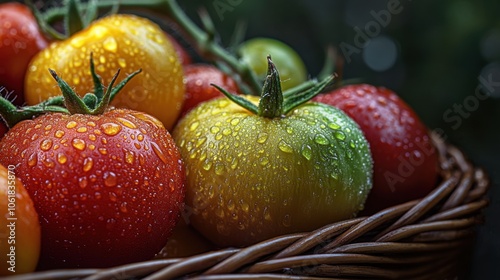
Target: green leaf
point(239, 100)
point(303, 97)
point(73, 21)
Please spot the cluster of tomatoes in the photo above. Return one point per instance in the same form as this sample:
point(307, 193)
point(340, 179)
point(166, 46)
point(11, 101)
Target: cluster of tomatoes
point(92, 185)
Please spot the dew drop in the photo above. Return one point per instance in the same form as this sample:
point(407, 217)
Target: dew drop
point(103, 151)
point(262, 137)
point(61, 158)
point(306, 151)
point(112, 196)
point(110, 44)
point(245, 207)
point(207, 165)
point(123, 207)
point(230, 205)
point(219, 169)
point(285, 147)
point(59, 134)
point(71, 124)
point(264, 161)
point(129, 157)
point(79, 144)
point(286, 221)
point(122, 62)
point(46, 144)
point(109, 179)
point(32, 160)
point(194, 126)
point(235, 121)
point(158, 152)
point(82, 182)
point(87, 164)
point(340, 135)
point(267, 214)
point(111, 128)
point(214, 129)
point(333, 126)
point(140, 137)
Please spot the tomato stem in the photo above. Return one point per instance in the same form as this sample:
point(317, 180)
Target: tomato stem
point(271, 98)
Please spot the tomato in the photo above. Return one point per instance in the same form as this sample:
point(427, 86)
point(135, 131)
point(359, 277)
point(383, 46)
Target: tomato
point(292, 69)
point(184, 242)
point(117, 41)
point(198, 80)
point(108, 184)
point(252, 175)
point(405, 160)
point(19, 225)
point(20, 40)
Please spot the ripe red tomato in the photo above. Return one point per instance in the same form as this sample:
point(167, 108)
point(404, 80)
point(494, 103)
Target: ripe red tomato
point(198, 79)
point(19, 225)
point(108, 188)
point(20, 40)
point(405, 160)
point(118, 41)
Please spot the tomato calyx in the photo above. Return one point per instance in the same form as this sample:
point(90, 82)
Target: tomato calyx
point(69, 103)
point(273, 102)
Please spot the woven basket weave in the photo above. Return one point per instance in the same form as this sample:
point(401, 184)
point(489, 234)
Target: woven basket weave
point(430, 238)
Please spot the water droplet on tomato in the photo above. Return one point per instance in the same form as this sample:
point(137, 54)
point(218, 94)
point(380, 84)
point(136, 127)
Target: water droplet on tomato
point(78, 144)
point(103, 151)
point(109, 179)
point(71, 124)
point(321, 139)
point(129, 157)
point(87, 164)
point(264, 161)
point(59, 134)
point(81, 129)
point(340, 135)
point(262, 137)
point(110, 44)
point(333, 126)
point(140, 137)
point(306, 151)
point(127, 123)
point(286, 221)
point(46, 144)
point(111, 128)
point(267, 214)
point(82, 182)
point(244, 206)
point(158, 152)
point(32, 160)
point(112, 196)
point(219, 212)
point(219, 169)
point(123, 207)
point(207, 165)
point(285, 147)
point(61, 158)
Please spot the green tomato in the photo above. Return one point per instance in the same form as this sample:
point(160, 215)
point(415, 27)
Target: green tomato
point(292, 69)
point(250, 178)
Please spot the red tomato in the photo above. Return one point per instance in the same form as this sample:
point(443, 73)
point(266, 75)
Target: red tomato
point(20, 40)
point(405, 160)
point(198, 80)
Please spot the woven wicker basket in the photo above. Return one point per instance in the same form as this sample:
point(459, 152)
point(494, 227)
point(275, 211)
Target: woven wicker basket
point(430, 238)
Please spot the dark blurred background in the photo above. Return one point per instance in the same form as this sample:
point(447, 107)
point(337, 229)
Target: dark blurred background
point(441, 57)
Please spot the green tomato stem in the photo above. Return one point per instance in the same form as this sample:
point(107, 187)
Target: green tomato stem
point(271, 98)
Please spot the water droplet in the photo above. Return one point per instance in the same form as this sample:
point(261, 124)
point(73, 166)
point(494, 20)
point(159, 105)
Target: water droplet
point(61, 158)
point(158, 152)
point(244, 206)
point(140, 137)
point(214, 129)
point(230, 205)
point(82, 182)
point(219, 169)
point(321, 139)
point(111, 128)
point(71, 124)
point(219, 212)
point(262, 137)
point(207, 165)
point(267, 214)
point(48, 163)
point(81, 129)
point(333, 126)
point(226, 131)
point(123, 207)
point(286, 221)
point(103, 151)
point(285, 147)
point(235, 121)
point(352, 144)
point(201, 141)
point(76, 80)
point(264, 161)
point(110, 44)
point(194, 126)
point(127, 123)
point(129, 157)
point(79, 144)
point(340, 135)
point(306, 151)
point(59, 134)
point(122, 62)
point(112, 196)
point(109, 179)
point(32, 160)
point(46, 145)
point(87, 164)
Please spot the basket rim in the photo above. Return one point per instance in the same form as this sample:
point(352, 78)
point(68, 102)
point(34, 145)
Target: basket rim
point(410, 235)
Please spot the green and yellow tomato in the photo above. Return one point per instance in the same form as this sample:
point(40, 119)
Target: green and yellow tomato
point(251, 177)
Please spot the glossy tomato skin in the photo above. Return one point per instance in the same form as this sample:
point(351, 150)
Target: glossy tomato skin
point(198, 80)
point(292, 68)
point(20, 40)
point(120, 41)
point(19, 225)
point(250, 178)
point(183, 55)
point(405, 160)
point(108, 188)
